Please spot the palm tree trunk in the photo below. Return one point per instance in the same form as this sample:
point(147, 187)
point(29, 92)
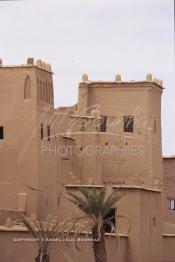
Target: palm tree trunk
point(99, 245)
point(42, 257)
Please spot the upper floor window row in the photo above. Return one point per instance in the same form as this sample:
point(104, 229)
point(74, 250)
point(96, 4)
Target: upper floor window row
point(128, 124)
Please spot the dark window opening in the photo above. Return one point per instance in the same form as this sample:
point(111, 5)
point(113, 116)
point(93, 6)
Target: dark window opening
point(48, 133)
point(128, 124)
point(154, 222)
point(110, 217)
point(103, 122)
point(172, 204)
point(42, 131)
point(83, 126)
point(1, 132)
point(81, 148)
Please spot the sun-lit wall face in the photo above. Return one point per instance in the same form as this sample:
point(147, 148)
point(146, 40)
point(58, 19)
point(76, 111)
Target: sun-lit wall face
point(21, 115)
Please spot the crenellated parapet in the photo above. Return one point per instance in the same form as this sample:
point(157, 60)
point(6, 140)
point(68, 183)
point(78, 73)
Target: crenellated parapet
point(118, 79)
point(30, 63)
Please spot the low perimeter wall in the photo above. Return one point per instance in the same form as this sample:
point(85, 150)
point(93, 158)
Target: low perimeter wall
point(169, 248)
point(15, 246)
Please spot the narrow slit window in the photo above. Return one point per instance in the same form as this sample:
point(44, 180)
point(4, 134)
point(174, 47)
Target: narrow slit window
point(103, 123)
point(1, 132)
point(154, 222)
point(42, 131)
point(48, 133)
point(128, 124)
point(172, 204)
point(41, 91)
point(38, 90)
point(27, 88)
point(155, 124)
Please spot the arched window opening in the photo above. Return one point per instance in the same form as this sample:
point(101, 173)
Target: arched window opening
point(38, 90)
point(49, 93)
point(45, 94)
point(51, 96)
point(41, 91)
point(27, 88)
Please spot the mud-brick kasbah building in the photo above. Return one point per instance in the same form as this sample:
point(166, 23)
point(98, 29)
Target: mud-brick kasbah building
point(111, 137)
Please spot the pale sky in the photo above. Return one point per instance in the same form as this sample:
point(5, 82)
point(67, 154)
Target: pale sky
point(97, 37)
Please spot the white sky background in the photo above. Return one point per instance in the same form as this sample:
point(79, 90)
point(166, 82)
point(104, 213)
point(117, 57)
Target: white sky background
point(99, 37)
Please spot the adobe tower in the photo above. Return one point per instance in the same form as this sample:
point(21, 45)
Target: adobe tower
point(26, 100)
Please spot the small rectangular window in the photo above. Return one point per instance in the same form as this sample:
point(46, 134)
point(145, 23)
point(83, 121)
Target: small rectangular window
point(154, 222)
point(128, 124)
point(110, 219)
point(172, 204)
point(1, 132)
point(65, 151)
point(48, 133)
point(103, 122)
point(42, 131)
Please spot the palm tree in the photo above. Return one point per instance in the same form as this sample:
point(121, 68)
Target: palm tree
point(96, 205)
point(43, 233)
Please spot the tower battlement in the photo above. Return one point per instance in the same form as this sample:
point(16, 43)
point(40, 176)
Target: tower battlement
point(118, 79)
point(30, 63)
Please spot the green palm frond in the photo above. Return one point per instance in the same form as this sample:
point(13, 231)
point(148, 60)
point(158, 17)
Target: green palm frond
point(85, 191)
point(76, 200)
point(113, 198)
point(101, 197)
point(93, 201)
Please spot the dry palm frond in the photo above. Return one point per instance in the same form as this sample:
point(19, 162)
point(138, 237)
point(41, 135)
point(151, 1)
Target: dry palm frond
point(44, 232)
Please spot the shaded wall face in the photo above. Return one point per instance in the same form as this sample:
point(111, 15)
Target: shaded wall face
point(47, 163)
point(45, 90)
point(151, 221)
point(169, 188)
point(142, 211)
point(168, 248)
